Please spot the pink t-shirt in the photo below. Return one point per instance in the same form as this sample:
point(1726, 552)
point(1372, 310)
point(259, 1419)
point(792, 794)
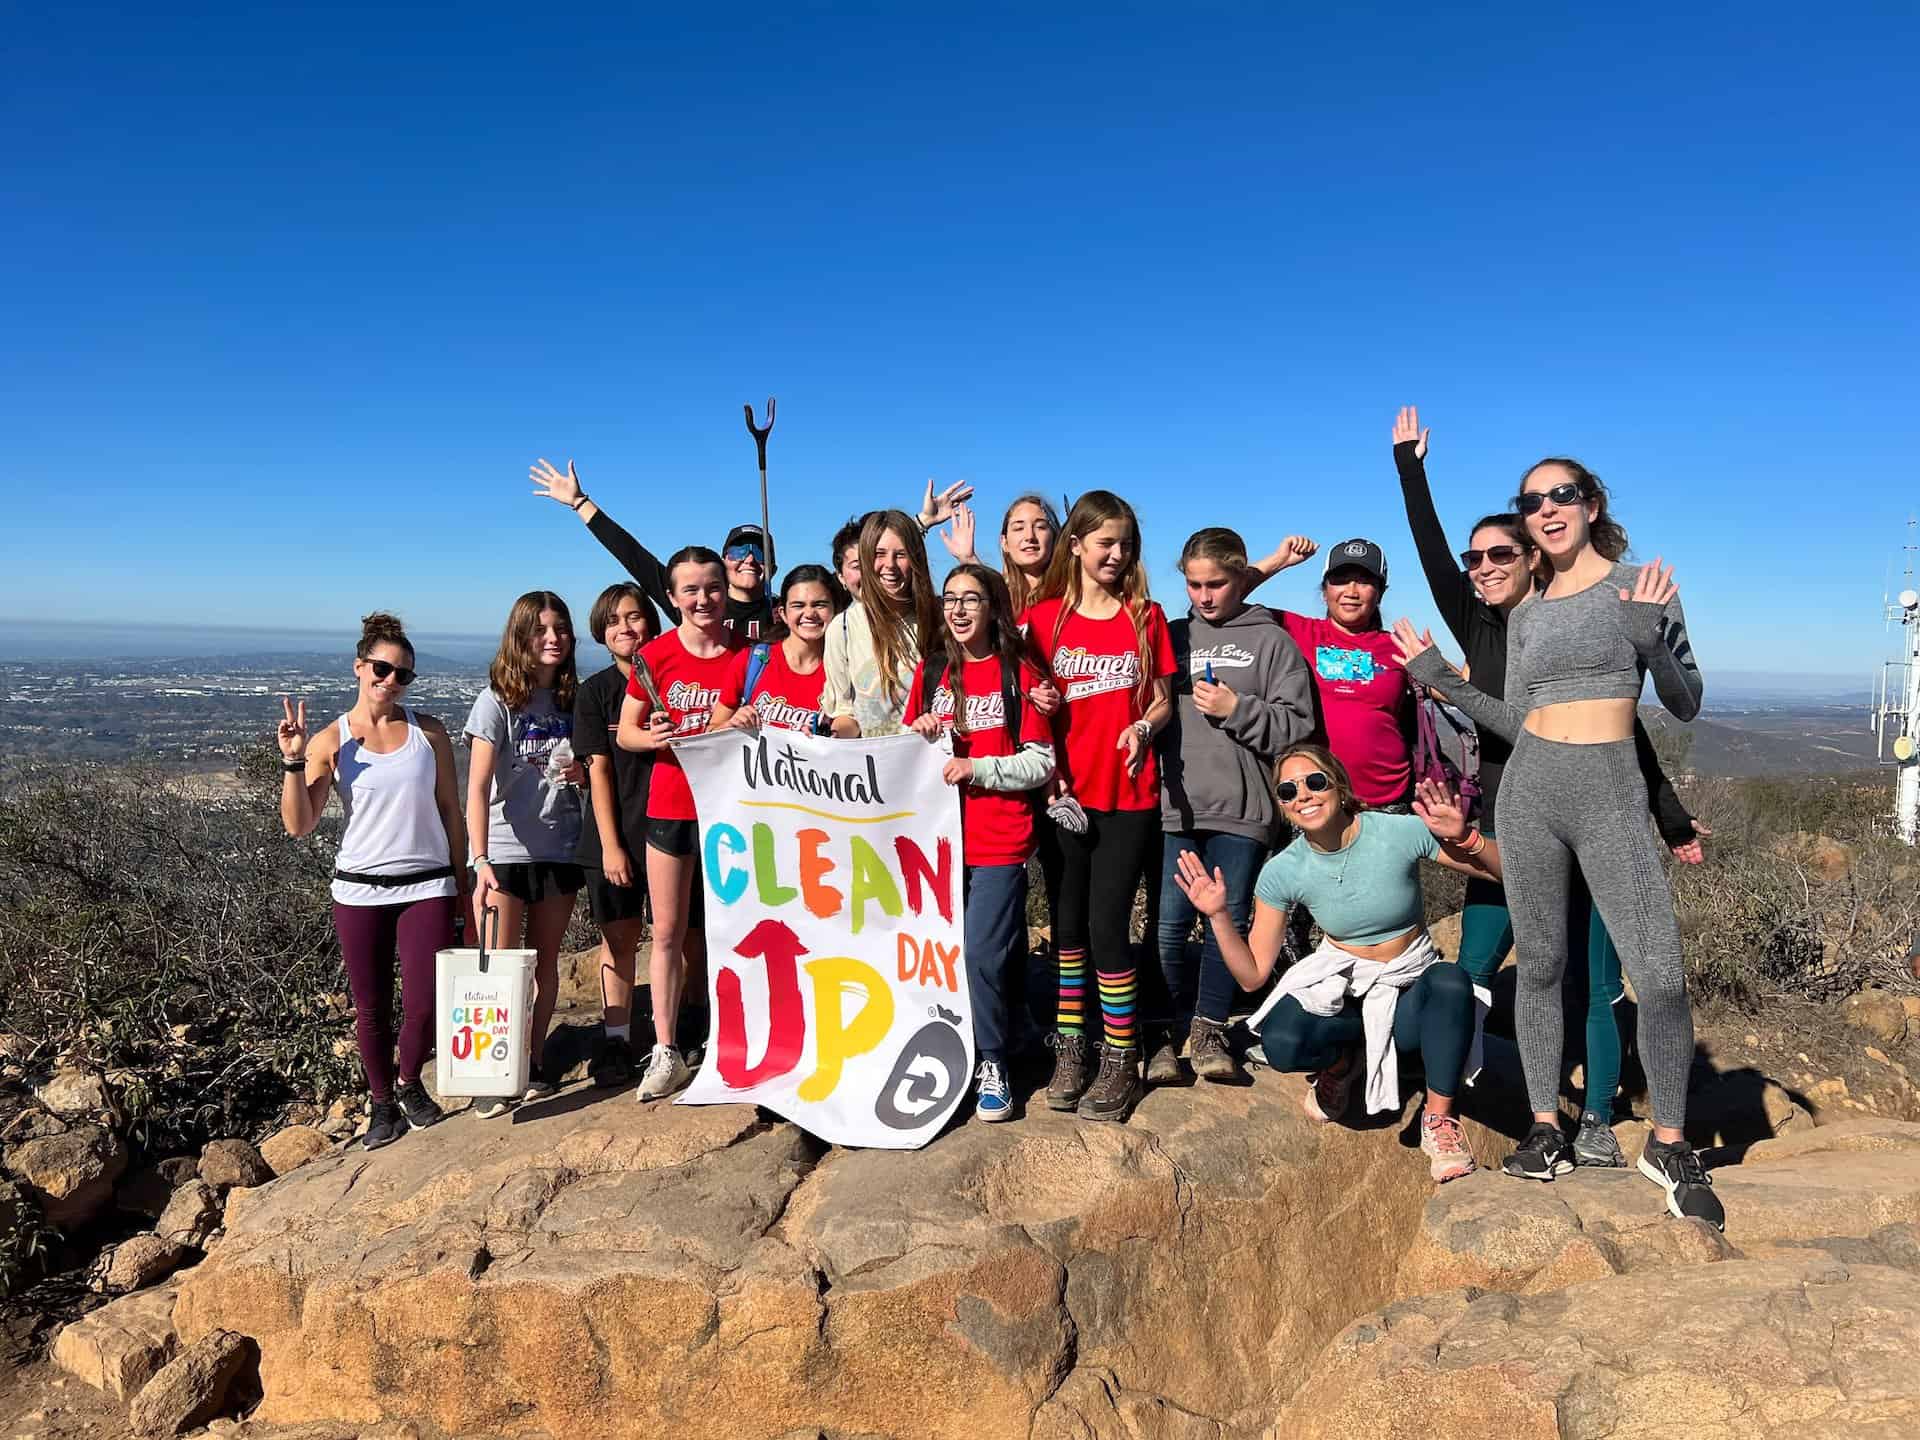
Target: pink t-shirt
point(1366, 704)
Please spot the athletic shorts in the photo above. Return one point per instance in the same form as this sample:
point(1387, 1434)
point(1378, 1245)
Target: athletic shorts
point(612, 904)
point(537, 880)
point(679, 838)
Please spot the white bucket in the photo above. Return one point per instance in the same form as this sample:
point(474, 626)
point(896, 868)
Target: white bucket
point(485, 1017)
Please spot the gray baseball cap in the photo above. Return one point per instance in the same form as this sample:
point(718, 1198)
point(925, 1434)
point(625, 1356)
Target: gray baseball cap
point(1359, 555)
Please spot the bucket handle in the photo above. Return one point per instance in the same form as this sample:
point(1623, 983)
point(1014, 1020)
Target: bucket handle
point(490, 915)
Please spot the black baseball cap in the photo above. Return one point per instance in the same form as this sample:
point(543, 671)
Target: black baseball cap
point(1357, 555)
point(750, 535)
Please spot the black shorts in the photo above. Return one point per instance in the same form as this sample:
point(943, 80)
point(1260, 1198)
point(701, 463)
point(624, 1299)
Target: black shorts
point(679, 838)
point(612, 904)
point(537, 880)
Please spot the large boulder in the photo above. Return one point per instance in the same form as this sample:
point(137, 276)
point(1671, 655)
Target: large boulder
point(191, 1216)
point(192, 1387)
point(614, 1270)
point(70, 1175)
point(121, 1346)
point(140, 1261)
point(72, 1092)
point(227, 1163)
point(287, 1150)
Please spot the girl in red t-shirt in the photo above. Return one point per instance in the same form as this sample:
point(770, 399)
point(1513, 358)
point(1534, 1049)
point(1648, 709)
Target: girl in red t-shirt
point(1105, 643)
point(684, 670)
point(787, 683)
point(963, 688)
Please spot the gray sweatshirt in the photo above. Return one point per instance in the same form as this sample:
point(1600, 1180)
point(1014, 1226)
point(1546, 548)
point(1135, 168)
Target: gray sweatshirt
point(1218, 774)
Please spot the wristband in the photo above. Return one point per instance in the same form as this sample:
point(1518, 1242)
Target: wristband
point(575, 507)
point(477, 861)
point(294, 767)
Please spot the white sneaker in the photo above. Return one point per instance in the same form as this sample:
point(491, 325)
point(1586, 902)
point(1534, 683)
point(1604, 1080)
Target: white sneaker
point(492, 1107)
point(539, 1088)
point(666, 1072)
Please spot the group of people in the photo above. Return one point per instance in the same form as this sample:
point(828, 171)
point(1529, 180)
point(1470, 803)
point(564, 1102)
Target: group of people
point(1264, 772)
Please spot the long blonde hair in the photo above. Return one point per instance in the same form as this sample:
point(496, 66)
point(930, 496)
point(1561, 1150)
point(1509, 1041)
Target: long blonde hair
point(1065, 577)
point(515, 670)
point(898, 624)
point(1022, 591)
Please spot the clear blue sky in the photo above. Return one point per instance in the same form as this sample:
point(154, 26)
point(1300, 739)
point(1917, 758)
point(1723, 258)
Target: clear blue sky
point(293, 295)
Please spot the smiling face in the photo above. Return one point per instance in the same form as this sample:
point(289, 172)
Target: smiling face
point(629, 628)
point(807, 609)
point(699, 592)
point(849, 570)
point(1559, 530)
point(552, 640)
point(746, 568)
point(1105, 554)
point(1212, 589)
point(1027, 539)
point(892, 565)
point(1500, 585)
point(963, 603)
point(1311, 810)
point(388, 692)
point(1353, 598)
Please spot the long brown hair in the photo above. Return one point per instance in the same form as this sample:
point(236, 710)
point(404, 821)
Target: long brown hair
point(1065, 577)
point(898, 625)
point(1003, 639)
point(1021, 591)
point(515, 668)
point(1604, 533)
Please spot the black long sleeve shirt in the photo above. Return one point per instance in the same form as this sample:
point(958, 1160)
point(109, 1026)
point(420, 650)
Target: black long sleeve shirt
point(752, 619)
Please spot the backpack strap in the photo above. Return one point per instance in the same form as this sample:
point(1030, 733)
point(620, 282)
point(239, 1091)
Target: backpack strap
point(756, 667)
point(1010, 698)
point(930, 679)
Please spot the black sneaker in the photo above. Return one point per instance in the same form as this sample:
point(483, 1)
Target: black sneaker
point(612, 1064)
point(1541, 1156)
point(384, 1126)
point(418, 1105)
point(1676, 1168)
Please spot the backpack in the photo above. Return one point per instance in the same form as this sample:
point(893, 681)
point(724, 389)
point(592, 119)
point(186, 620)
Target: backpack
point(756, 667)
point(1010, 695)
point(1446, 749)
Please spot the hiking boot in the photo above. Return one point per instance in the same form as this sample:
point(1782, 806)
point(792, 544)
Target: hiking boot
point(666, 1072)
point(1594, 1144)
point(1116, 1088)
point(1163, 1065)
point(1676, 1168)
point(612, 1063)
point(385, 1124)
point(994, 1100)
point(418, 1106)
point(1072, 1070)
point(1327, 1093)
point(1210, 1055)
point(1541, 1156)
point(1445, 1148)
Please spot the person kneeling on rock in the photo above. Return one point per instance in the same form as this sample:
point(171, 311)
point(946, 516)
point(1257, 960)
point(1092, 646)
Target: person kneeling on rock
point(1376, 988)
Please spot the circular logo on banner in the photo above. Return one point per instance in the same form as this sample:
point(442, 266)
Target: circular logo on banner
point(927, 1079)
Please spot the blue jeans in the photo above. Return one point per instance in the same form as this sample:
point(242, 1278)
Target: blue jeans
point(1238, 858)
point(994, 924)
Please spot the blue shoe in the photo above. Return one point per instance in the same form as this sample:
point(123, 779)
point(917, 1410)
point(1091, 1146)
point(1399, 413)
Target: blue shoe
point(995, 1100)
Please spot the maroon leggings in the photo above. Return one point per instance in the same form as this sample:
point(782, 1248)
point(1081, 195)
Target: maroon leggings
point(369, 937)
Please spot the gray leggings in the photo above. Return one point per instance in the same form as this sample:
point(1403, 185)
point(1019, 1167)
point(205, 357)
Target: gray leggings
point(1562, 805)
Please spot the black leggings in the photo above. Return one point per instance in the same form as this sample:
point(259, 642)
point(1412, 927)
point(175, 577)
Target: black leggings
point(1097, 882)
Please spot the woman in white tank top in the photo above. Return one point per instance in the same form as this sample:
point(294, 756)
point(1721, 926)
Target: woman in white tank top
point(401, 867)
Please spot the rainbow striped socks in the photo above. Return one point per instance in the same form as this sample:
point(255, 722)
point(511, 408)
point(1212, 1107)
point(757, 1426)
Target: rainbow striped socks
point(1071, 1013)
point(1118, 992)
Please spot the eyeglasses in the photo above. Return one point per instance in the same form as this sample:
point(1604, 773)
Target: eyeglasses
point(1528, 502)
point(1498, 554)
point(1314, 780)
point(381, 670)
point(964, 604)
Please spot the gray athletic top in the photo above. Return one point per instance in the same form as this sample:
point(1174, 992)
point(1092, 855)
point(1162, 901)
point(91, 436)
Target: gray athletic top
point(1591, 645)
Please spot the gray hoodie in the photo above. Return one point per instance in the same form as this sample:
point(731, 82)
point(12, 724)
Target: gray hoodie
point(1218, 774)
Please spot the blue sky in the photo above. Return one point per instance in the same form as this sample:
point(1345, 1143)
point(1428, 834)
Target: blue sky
point(294, 295)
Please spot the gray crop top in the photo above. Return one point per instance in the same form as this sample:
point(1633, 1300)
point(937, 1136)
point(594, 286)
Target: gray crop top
point(1591, 645)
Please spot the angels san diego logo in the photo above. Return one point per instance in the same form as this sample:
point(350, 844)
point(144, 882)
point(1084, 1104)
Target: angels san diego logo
point(1082, 674)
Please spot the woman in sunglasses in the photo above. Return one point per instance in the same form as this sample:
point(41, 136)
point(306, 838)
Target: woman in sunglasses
point(402, 861)
point(1376, 989)
point(1475, 604)
point(1573, 797)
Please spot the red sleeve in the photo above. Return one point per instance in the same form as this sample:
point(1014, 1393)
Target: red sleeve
point(1039, 623)
point(1035, 728)
point(913, 696)
point(1160, 642)
point(734, 683)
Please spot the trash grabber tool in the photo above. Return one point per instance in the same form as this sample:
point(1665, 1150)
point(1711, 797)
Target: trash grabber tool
point(760, 433)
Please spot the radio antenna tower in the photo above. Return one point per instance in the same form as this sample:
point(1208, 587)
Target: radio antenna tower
point(1896, 709)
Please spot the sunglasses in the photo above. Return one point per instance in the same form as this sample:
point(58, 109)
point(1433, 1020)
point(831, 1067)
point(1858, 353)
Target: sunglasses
point(1498, 554)
point(964, 604)
point(1528, 502)
point(744, 552)
point(1315, 780)
point(381, 670)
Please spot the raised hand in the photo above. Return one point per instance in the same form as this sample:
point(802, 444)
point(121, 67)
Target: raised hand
point(1439, 810)
point(1292, 551)
point(1206, 893)
point(1690, 852)
point(551, 483)
point(292, 732)
point(1652, 586)
point(958, 536)
point(1409, 641)
point(937, 509)
point(1406, 426)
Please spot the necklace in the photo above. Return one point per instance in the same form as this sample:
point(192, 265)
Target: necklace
point(1345, 852)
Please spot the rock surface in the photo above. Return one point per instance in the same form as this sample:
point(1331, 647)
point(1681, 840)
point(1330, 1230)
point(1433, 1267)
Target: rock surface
point(72, 1092)
point(191, 1216)
point(192, 1387)
point(70, 1175)
point(287, 1150)
point(121, 1346)
point(227, 1163)
point(139, 1262)
point(147, 1190)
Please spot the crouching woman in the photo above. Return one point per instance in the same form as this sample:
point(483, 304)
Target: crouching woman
point(1376, 990)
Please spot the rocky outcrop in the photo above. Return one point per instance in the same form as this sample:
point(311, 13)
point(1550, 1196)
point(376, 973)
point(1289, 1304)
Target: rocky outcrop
point(287, 1150)
point(192, 1387)
point(601, 1269)
point(139, 1262)
point(70, 1175)
point(192, 1215)
point(121, 1346)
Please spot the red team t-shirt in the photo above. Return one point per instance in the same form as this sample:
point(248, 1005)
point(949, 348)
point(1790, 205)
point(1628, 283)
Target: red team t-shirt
point(1096, 664)
point(996, 825)
point(691, 688)
point(1366, 704)
point(782, 699)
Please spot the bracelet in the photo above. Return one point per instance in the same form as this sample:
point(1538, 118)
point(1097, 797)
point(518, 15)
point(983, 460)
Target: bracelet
point(477, 861)
point(1474, 849)
point(575, 507)
point(294, 767)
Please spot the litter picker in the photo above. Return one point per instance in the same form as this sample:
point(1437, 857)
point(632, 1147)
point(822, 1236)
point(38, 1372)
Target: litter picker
point(760, 433)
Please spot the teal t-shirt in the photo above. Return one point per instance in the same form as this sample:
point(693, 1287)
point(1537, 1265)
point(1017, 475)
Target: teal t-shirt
point(1368, 892)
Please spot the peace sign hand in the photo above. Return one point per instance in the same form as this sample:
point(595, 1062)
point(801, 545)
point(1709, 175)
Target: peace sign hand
point(1406, 426)
point(292, 733)
point(551, 483)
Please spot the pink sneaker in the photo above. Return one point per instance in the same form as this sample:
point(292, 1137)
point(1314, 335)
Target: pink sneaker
point(1445, 1147)
point(1327, 1093)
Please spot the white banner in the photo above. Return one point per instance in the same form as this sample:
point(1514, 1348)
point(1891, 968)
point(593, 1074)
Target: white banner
point(832, 878)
